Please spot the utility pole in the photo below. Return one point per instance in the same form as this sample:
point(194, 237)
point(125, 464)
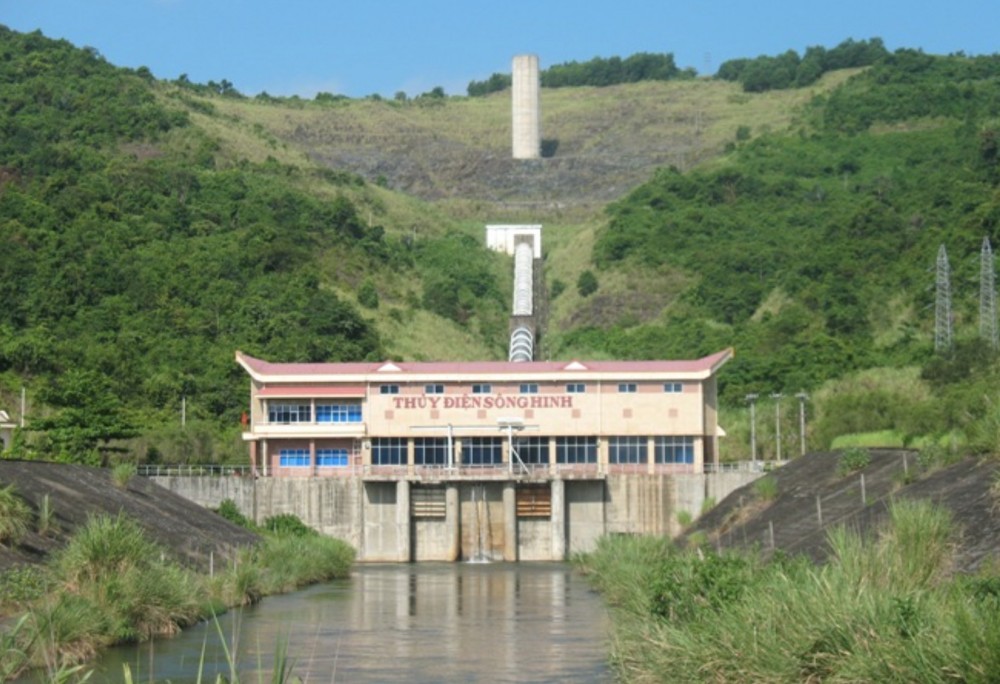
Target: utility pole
point(777, 424)
point(802, 396)
point(942, 304)
point(752, 398)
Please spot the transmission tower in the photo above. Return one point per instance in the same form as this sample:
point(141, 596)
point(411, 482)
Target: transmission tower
point(987, 296)
point(942, 304)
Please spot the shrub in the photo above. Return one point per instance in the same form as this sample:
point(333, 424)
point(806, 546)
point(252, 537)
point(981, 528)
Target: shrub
point(586, 284)
point(288, 524)
point(14, 515)
point(707, 504)
point(122, 474)
point(231, 512)
point(853, 460)
point(684, 518)
point(766, 488)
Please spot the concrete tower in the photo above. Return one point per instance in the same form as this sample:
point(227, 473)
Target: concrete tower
point(527, 120)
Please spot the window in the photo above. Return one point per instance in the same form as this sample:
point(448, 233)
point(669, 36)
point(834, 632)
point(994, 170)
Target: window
point(674, 449)
point(576, 450)
point(288, 413)
point(482, 450)
point(482, 389)
point(388, 389)
point(433, 389)
point(576, 388)
point(388, 451)
point(627, 450)
point(338, 413)
point(673, 387)
point(430, 451)
point(293, 458)
point(532, 449)
point(627, 387)
point(331, 458)
point(529, 388)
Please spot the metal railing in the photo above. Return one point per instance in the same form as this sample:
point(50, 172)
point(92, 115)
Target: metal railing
point(184, 470)
point(744, 466)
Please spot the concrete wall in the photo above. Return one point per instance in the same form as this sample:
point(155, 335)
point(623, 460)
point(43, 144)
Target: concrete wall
point(585, 511)
point(480, 518)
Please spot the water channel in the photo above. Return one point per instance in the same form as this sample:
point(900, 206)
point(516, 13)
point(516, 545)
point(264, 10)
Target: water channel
point(455, 622)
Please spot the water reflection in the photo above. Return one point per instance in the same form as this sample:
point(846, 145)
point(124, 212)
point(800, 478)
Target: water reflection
point(412, 623)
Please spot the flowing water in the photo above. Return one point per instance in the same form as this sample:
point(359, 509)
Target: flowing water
point(455, 622)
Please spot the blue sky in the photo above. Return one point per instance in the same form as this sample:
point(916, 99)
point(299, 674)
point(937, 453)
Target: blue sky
point(361, 47)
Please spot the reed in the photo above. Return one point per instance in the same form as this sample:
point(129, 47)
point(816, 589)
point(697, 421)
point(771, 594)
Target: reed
point(884, 608)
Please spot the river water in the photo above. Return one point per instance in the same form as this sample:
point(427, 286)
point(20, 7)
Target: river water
point(454, 622)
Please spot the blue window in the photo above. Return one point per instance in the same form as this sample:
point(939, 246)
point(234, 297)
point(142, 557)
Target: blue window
point(576, 388)
point(576, 450)
point(627, 449)
point(482, 389)
point(627, 387)
point(482, 450)
point(331, 458)
point(283, 412)
point(673, 387)
point(529, 388)
point(294, 458)
point(338, 413)
point(434, 389)
point(430, 451)
point(388, 451)
point(388, 389)
point(674, 449)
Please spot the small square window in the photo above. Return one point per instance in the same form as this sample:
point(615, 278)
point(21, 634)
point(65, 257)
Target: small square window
point(388, 389)
point(673, 387)
point(529, 388)
point(434, 389)
point(627, 387)
point(576, 388)
point(482, 389)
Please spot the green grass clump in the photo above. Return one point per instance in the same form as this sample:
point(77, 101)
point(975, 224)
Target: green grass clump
point(884, 608)
point(122, 474)
point(852, 460)
point(766, 488)
point(15, 515)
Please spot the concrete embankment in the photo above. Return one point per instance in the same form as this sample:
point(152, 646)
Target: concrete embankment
point(410, 520)
point(198, 536)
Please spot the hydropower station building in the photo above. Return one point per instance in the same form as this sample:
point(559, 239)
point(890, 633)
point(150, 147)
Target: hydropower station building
point(495, 460)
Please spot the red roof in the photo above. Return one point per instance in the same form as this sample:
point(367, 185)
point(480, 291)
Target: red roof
point(395, 369)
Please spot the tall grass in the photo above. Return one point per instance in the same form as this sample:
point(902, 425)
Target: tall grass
point(112, 584)
point(15, 515)
point(882, 609)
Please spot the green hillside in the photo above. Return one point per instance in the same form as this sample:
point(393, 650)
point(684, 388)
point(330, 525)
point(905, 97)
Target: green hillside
point(152, 228)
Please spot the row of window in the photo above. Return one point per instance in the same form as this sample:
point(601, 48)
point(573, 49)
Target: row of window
point(532, 388)
point(534, 450)
point(279, 412)
point(325, 458)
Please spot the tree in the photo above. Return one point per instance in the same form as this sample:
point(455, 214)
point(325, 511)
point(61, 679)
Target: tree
point(88, 415)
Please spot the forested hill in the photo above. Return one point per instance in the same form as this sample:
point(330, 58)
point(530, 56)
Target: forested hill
point(150, 228)
point(136, 258)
